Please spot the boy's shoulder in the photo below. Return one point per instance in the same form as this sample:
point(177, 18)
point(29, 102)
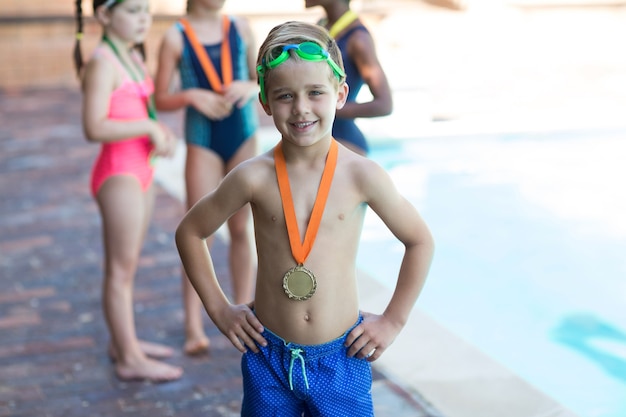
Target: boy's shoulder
point(365, 172)
point(262, 158)
point(358, 163)
point(257, 166)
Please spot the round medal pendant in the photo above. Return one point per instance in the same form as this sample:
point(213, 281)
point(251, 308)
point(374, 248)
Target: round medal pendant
point(299, 283)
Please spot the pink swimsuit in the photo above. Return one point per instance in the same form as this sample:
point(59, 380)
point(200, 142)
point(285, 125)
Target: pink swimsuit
point(129, 156)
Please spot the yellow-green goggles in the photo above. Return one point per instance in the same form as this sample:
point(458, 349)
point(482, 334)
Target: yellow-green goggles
point(309, 51)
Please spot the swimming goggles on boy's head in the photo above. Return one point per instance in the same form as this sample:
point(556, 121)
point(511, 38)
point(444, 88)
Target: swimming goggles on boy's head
point(309, 51)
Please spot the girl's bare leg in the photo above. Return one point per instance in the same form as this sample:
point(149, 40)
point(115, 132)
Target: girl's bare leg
point(241, 239)
point(203, 171)
point(125, 213)
point(196, 340)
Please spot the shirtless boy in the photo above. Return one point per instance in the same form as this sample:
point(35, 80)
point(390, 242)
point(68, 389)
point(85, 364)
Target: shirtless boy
point(307, 346)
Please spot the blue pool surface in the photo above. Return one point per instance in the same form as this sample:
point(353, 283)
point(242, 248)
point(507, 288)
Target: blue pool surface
point(530, 264)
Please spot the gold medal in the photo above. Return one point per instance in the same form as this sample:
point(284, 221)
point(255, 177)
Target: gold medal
point(299, 283)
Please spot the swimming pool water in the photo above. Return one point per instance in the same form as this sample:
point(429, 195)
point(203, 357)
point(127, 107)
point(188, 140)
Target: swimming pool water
point(530, 234)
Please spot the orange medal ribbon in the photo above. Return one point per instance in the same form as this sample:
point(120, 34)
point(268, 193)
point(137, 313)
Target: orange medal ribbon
point(299, 283)
point(209, 70)
point(299, 250)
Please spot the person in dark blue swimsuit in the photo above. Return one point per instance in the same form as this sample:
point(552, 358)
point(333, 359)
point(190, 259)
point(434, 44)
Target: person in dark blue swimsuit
point(361, 66)
point(220, 127)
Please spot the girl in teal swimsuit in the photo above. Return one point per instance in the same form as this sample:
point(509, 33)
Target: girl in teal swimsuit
point(215, 57)
point(225, 136)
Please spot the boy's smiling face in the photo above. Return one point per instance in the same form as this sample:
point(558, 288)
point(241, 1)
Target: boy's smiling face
point(302, 98)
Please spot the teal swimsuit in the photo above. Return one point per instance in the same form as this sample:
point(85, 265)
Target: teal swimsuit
point(224, 137)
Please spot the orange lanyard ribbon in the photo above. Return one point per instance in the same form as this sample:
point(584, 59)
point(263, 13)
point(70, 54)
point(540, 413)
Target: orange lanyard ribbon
point(227, 63)
point(299, 250)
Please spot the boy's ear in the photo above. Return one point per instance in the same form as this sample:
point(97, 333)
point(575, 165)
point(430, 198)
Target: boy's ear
point(342, 94)
point(265, 106)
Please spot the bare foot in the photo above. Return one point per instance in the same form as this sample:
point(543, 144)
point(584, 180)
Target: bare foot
point(197, 346)
point(147, 369)
point(154, 350)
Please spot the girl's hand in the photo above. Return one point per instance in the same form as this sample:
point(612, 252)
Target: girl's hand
point(172, 141)
point(163, 140)
point(240, 92)
point(212, 105)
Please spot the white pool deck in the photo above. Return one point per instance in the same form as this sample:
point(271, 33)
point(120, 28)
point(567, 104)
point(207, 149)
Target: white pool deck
point(489, 69)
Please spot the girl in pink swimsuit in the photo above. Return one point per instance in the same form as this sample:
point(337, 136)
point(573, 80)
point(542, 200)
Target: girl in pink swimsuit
point(118, 114)
point(131, 156)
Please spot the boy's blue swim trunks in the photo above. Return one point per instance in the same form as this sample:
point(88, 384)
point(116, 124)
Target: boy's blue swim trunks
point(286, 380)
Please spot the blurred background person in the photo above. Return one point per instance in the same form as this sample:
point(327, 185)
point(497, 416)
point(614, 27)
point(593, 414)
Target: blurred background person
point(118, 112)
point(362, 67)
point(215, 55)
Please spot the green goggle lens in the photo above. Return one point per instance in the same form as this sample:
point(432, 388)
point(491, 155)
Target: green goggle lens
point(309, 51)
